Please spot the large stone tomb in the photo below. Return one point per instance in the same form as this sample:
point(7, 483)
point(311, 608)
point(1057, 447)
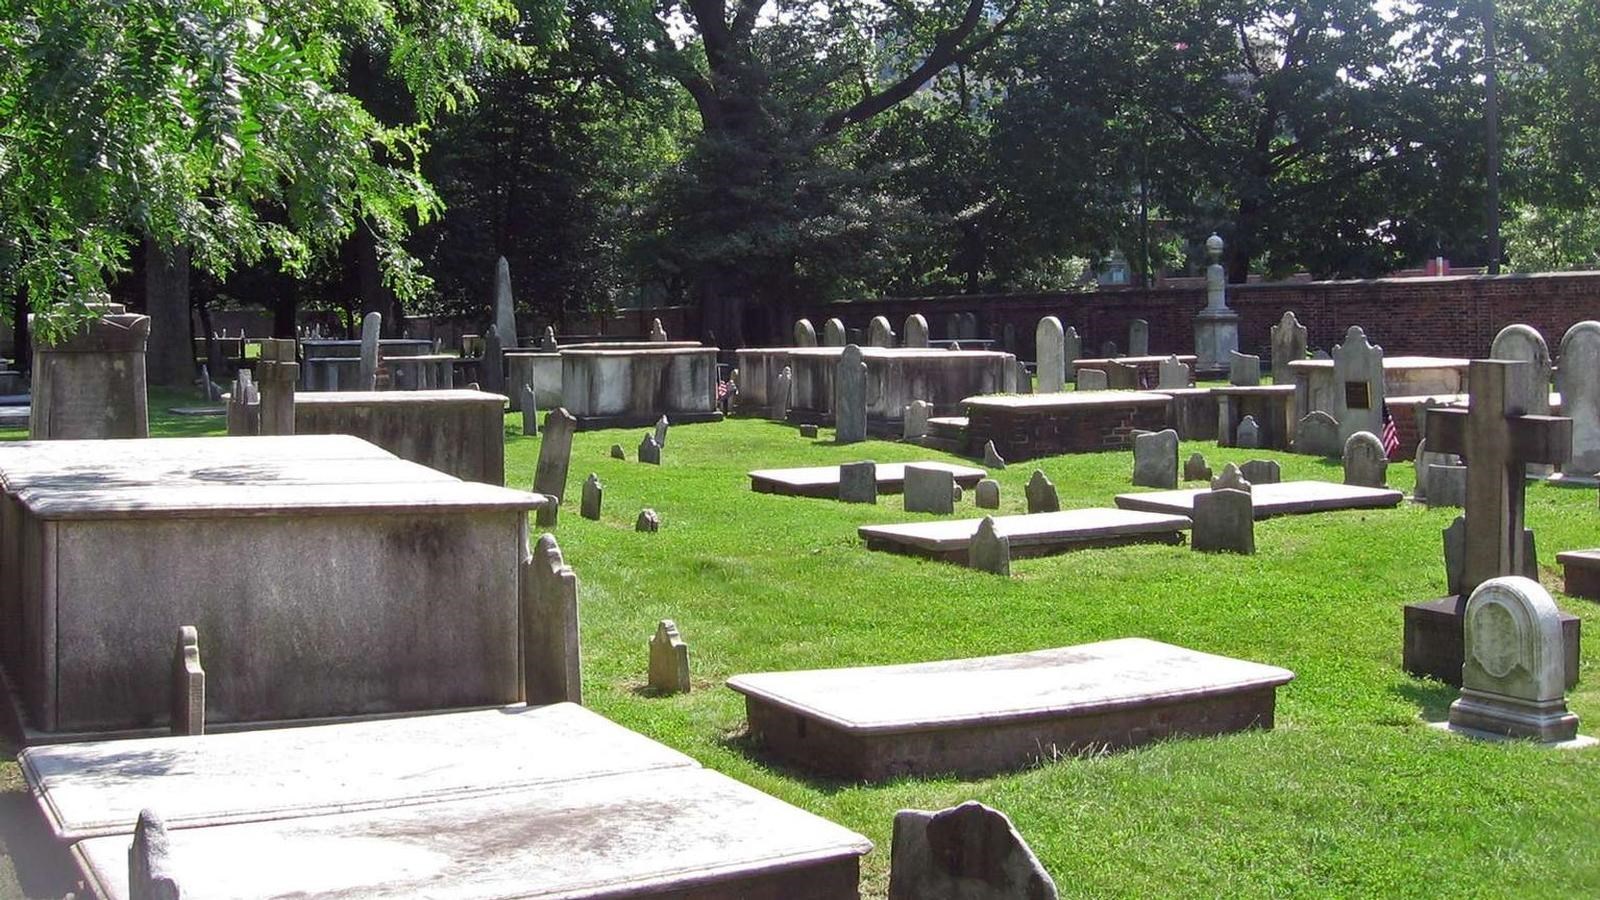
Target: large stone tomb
point(823, 481)
point(1034, 534)
point(634, 387)
point(541, 369)
point(1285, 498)
point(975, 717)
point(326, 577)
point(458, 432)
point(1030, 426)
point(91, 384)
point(1270, 405)
point(532, 802)
point(1317, 386)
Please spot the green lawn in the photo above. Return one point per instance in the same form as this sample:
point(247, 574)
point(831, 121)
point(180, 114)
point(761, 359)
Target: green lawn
point(1351, 794)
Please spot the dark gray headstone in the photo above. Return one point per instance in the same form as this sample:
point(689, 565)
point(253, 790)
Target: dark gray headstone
point(530, 412)
point(593, 494)
point(555, 457)
point(1249, 434)
point(1138, 338)
point(1195, 468)
point(930, 490)
point(1261, 471)
point(1041, 494)
point(970, 852)
point(1155, 459)
point(987, 494)
point(989, 551)
point(1224, 521)
point(648, 521)
point(991, 457)
point(858, 482)
point(649, 450)
point(1318, 435)
point(850, 397)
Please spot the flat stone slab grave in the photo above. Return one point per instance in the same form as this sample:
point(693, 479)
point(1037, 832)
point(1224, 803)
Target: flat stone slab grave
point(975, 717)
point(823, 481)
point(1030, 426)
point(518, 802)
point(1285, 498)
point(1035, 534)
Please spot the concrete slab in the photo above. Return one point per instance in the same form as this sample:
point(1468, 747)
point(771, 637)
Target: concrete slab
point(823, 481)
point(974, 717)
point(1286, 498)
point(1036, 534)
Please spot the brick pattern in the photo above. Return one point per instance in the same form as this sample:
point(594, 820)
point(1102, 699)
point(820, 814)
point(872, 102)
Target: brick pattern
point(1030, 434)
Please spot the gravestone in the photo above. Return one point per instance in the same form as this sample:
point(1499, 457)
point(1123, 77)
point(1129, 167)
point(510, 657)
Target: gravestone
point(1173, 374)
point(1524, 344)
point(1318, 435)
point(277, 372)
point(244, 406)
point(952, 326)
point(661, 432)
point(1513, 679)
point(879, 333)
point(1138, 338)
point(1012, 375)
point(371, 331)
point(833, 334)
point(188, 684)
point(1008, 337)
point(151, 872)
point(987, 494)
point(989, 551)
point(1455, 551)
point(530, 412)
point(547, 342)
point(1224, 521)
point(617, 452)
point(850, 397)
point(648, 522)
point(593, 494)
point(1358, 384)
point(915, 426)
point(1578, 380)
point(1195, 468)
point(858, 482)
point(991, 457)
point(958, 493)
point(1289, 343)
point(969, 326)
point(1365, 463)
point(650, 451)
point(551, 665)
point(805, 334)
point(970, 852)
point(1024, 383)
point(930, 490)
point(1249, 434)
point(1122, 376)
point(555, 456)
point(1447, 486)
point(1050, 352)
point(1155, 459)
point(1262, 471)
point(669, 660)
point(658, 332)
point(809, 431)
point(1072, 347)
point(90, 385)
point(1244, 369)
point(1424, 460)
point(1231, 479)
point(782, 392)
point(505, 311)
point(1216, 327)
point(916, 331)
point(1108, 350)
point(492, 367)
point(1041, 494)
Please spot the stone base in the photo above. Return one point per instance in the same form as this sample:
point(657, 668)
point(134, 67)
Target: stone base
point(1581, 742)
point(1548, 722)
point(1581, 569)
point(1433, 641)
point(644, 420)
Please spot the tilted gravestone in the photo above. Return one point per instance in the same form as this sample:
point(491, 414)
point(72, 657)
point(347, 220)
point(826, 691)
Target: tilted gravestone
point(1261, 471)
point(929, 490)
point(530, 412)
point(1224, 522)
point(1092, 380)
point(593, 494)
point(1578, 380)
point(1195, 468)
point(1050, 353)
point(669, 660)
point(649, 521)
point(188, 684)
point(555, 457)
point(833, 333)
point(1289, 343)
point(805, 334)
point(1523, 343)
point(1365, 463)
point(1230, 478)
point(1318, 435)
point(880, 333)
point(1041, 494)
point(1155, 459)
point(1173, 374)
point(661, 432)
point(152, 874)
point(371, 331)
point(505, 315)
point(916, 420)
point(850, 397)
point(916, 331)
point(1244, 369)
point(1138, 338)
point(1249, 434)
point(649, 450)
point(551, 669)
point(858, 482)
point(1358, 384)
point(987, 494)
point(991, 457)
point(969, 852)
point(617, 452)
point(989, 551)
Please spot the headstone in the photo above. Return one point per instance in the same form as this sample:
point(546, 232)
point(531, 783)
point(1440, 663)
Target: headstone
point(1244, 369)
point(1008, 337)
point(879, 332)
point(1072, 347)
point(277, 372)
point(850, 397)
point(916, 331)
point(1092, 380)
point(492, 368)
point(1424, 461)
point(661, 432)
point(952, 326)
point(1578, 380)
point(1249, 433)
point(1139, 338)
point(1108, 350)
point(970, 852)
point(547, 343)
point(530, 412)
point(991, 457)
point(916, 420)
point(188, 684)
point(648, 521)
point(1195, 468)
point(1122, 376)
point(552, 670)
point(1318, 435)
point(1224, 522)
point(805, 334)
point(371, 331)
point(617, 452)
point(1041, 494)
point(650, 451)
point(833, 334)
point(593, 494)
point(969, 326)
point(1261, 471)
point(989, 550)
point(151, 873)
point(669, 660)
point(1173, 374)
point(1365, 463)
point(1050, 352)
point(1320, 353)
point(808, 431)
point(858, 482)
point(505, 316)
point(1155, 459)
point(555, 456)
point(1289, 342)
point(929, 490)
point(1216, 328)
point(1009, 371)
point(1523, 343)
point(1024, 380)
point(1358, 384)
point(781, 394)
point(957, 493)
point(244, 406)
point(1455, 557)
point(1231, 479)
point(1447, 486)
point(987, 494)
point(1513, 680)
point(658, 332)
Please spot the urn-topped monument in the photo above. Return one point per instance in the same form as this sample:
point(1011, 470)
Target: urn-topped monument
point(1216, 328)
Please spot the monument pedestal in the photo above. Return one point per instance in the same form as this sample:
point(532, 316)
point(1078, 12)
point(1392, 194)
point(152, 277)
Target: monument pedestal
point(1216, 334)
point(1434, 643)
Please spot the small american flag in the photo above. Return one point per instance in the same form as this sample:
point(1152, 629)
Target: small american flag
point(1391, 435)
point(725, 388)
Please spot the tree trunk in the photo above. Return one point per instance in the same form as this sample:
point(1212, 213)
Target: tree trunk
point(375, 296)
point(169, 356)
point(284, 309)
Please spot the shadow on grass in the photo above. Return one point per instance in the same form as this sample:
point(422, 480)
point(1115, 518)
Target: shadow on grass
point(742, 742)
point(1432, 697)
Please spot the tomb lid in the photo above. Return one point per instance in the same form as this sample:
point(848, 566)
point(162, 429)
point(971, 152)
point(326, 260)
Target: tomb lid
point(1283, 498)
point(1064, 527)
point(1067, 400)
point(398, 398)
point(1391, 362)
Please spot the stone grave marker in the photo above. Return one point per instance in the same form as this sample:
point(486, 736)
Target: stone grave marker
point(1231, 479)
point(952, 326)
point(617, 452)
point(915, 426)
point(1244, 369)
point(1195, 468)
point(1041, 494)
point(1249, 434)
point(1138, 338)
point(188, 684)
point(1578, 380)
point(969, 326)
point(987, 494)
point(1224, 521)
point(991, 457)
point(1447, 486)
point(850, 397)
point(276, 372)
point(1108, 350)
point(1008, 337)
point(1263, 471)
point(492, 367)
point(1358, 384)
point(1050, 352)
point(1425, 460)
point(1122, 376)
point(809, 431)
point(970, 852)
point(1364, 461)
point(1012, 375)
point(649, 521)
point(152, 874)
point(530, 412)
point(547, 342)
point(649, 450)
point(880, 333)
point(916, 331)
point(858, 482)
point(1173, 374)
point(1092, 380)
point(929, 490)
point(833, 333)
point(593, 494)
point(805, 334)
point(244, 406)
point(779, 410)
point(1524, 343)
point(1216, 327)
point(555, 456)
point(1318, 435)
point(552, 670)
point(1072, 347)
point(669, 660)
point(661, 432)
point(371, 331)
point(1289, 343)
point(505, 315)
point(989, 551)
point(658, 332)
point(1155, 459)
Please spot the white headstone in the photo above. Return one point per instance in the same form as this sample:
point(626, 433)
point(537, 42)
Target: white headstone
point(1244, 369)
point(833, 334)
point(879, 333)
point(916, 419)
point(1523, 343)
point(850, 397)
point(1365, 464)
point(1513, 678)
point(1578, 380)
point(805, 334)
point(1358, 384)
point(916, 331)
point(1173, 374)
point(1050, 351)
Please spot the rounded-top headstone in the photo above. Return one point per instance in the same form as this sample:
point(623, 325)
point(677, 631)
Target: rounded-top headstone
point(1578, 380)
point(916, 331)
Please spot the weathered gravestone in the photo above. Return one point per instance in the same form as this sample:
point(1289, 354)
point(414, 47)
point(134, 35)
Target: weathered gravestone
point(547, 341)
point(809, 431)
point(1122, 376)
point(661, 432)
point(669, 660)
point(1092, 380)
point(1244, 369)
point(244, 406)
point(858, 482)
point(552, 671)
point(1249, 434)
point(1195, 468)
point(593, 494)
point(1224, 521)
point(930, 490)
point(371, 331)
point(505, 315)
point(90, 385)
point(1447, 486)
point(1318, 435)
point(784, 390)
point(970, 852)
point(952, 326)
point(1108, 350)
point(850, 397)
point(915, 426)
point(969, 326)
point(833, 333)
point(276, 373)
point(492, 367)
point(1173, 374)
point(151, 872)
point(1155, 459)
point(1358, 384)
point(1050, 352)
point(805, 334)
point(530, 412)
point(650, 451)
point(989, 551)
point(880, 333)
point(1230, 478)
point(649, 521)
point(991, 457)
point(1426, 459)
point(1072, 346)
point(1578, 380)
point(1365, 463)
point(1522, 343)
point(658, 332)
point(987, 494)
point(1041, 494)
point(1138, 338)
point(1261, 471)
point(188, 684)
point(916, 331)
point(1289, 343)
point(555, 456)
point(617, 452)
